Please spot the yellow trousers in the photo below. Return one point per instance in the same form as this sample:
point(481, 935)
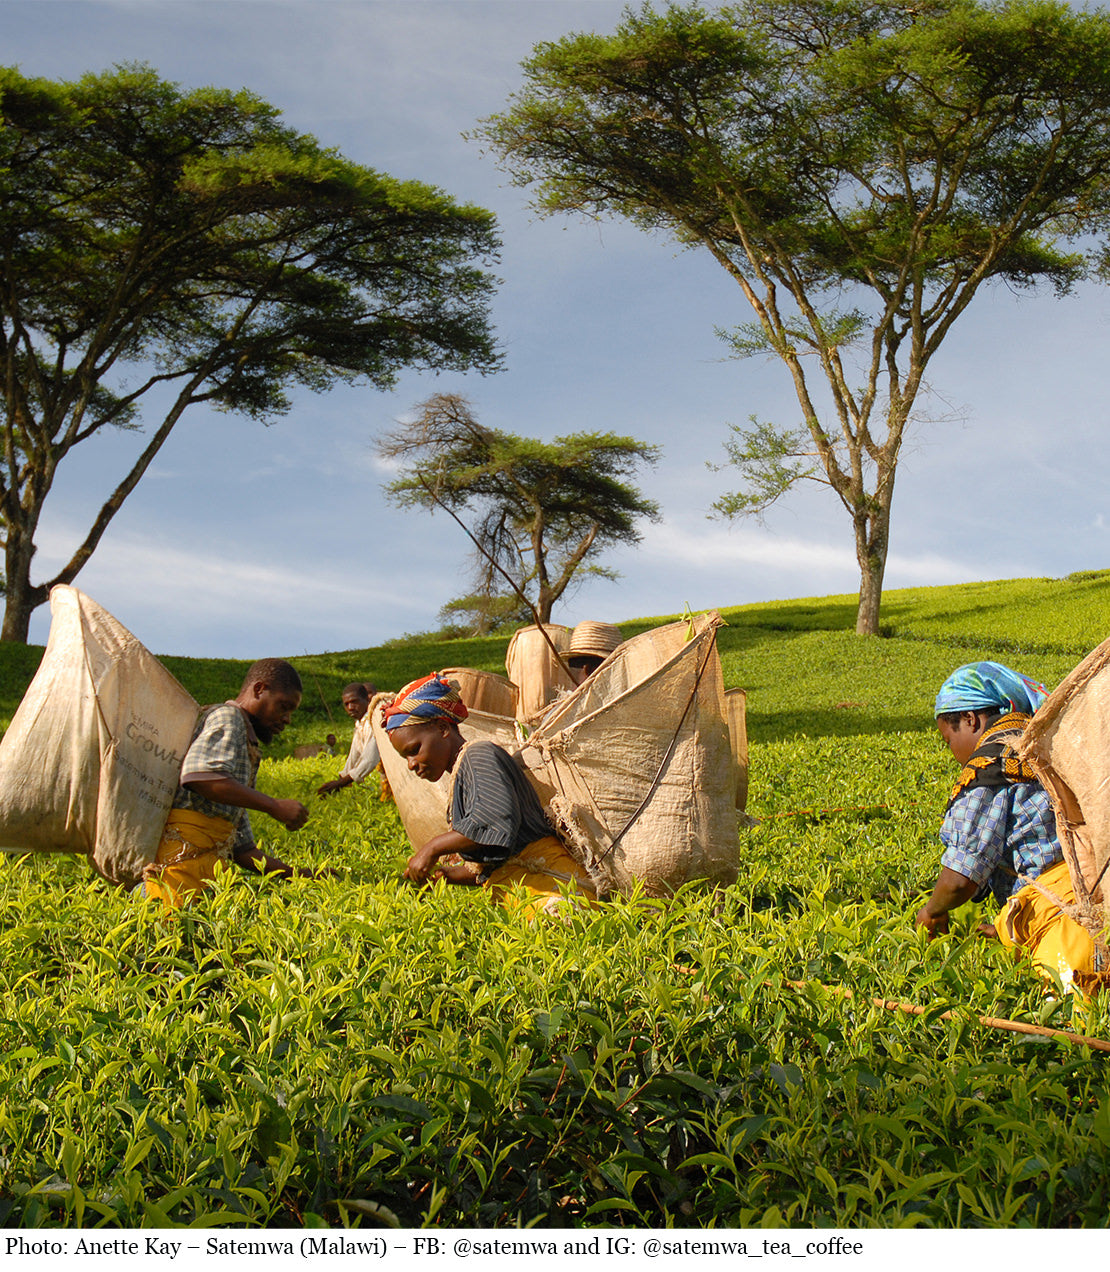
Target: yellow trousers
point(537, 879)
point(1036, 924)
point(189, 853)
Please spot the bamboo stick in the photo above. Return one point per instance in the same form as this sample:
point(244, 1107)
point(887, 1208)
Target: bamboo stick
point(992, 1022)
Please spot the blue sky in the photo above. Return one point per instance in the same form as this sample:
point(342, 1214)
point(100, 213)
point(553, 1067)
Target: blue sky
point(247, 541)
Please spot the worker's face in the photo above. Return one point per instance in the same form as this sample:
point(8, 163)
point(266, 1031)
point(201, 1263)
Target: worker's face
point(963, 737)
point(272, 708)
point(428, 749)
point(355, 705)
point(582, 667)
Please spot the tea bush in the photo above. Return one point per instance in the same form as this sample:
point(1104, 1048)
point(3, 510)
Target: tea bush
point(355, 1052)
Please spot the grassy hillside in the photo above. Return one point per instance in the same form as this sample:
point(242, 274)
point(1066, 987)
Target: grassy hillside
point(354, 1052)
point(800, 661)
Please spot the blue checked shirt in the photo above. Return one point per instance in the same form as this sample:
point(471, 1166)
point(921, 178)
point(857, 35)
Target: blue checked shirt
point(990, 842)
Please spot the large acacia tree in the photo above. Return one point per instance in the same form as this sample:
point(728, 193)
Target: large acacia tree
point(544, 510)
point(860, 170)
point(186, 247)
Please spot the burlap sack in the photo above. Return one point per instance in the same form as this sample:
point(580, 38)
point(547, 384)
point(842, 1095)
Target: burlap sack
point(1067, 743)
point(636, 767)
point(483, 691)
point(736, 706)
point(92, 759)
point(534, 669)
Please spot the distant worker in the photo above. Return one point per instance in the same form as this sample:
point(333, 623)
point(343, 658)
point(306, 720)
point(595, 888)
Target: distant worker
point(498, 827)
point(209, 822)
point(364, 756)
point(590, 644)
point(999, 830)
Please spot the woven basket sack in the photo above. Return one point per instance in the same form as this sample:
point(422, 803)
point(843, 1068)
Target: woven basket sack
point(92, 759)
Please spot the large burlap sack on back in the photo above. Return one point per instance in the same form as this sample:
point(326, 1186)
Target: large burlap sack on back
point(92, 759)
point(1067, 743)
point(483, 691)
point(534, 669)
point(423, 805)
point(637, 766)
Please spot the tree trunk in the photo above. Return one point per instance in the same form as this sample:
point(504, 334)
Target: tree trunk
point(870, 596)
point(21, 600)
point(872, 540)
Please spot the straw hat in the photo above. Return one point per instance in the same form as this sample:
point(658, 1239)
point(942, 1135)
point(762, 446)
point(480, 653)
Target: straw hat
point(594, 640)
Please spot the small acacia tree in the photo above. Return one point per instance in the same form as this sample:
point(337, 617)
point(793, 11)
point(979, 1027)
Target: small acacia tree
point(189, 241)
point(860, 169)
point(546, 510)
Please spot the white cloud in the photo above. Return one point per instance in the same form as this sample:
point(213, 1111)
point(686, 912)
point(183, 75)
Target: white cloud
point(698, 550)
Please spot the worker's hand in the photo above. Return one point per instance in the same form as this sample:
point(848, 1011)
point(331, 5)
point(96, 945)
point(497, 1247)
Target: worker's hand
point(290, 812)
point(329, 788)
point(934, 924)
point(421, 864)
point(317, 872)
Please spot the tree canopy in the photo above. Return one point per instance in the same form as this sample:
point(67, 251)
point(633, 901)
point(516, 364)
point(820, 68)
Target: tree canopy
point(156, 238)
point(860, 169)
point(546, 510)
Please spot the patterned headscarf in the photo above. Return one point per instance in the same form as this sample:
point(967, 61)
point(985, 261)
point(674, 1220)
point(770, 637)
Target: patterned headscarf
point(430, 698)
point(988, 686)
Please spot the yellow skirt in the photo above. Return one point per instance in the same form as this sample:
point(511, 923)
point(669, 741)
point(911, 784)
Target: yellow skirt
point(540, 878)
point(1036, 924)
point(191, 849)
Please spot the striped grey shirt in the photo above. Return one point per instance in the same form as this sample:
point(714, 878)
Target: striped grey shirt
point(494, 804)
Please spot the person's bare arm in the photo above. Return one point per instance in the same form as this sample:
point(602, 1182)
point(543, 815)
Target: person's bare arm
point(226, 790)
point(950, 891)
point(425, 860)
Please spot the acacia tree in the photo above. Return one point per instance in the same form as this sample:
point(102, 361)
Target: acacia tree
point(191, 242)
point(546, 510)
point(859, 169)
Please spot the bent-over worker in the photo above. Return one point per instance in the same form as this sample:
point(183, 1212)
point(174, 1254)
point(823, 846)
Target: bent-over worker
point(999, 829)
point(209, 822)
point(497, 825)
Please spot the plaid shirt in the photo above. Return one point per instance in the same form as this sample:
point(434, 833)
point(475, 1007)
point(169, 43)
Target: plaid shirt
point(991, 841)
point(223, 745)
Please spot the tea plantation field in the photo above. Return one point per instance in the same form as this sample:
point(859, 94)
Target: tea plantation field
point(353, 1052)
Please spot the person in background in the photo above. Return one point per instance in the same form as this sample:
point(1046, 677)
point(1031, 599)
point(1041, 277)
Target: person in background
point(590, 644)
point(497, 825)
point(363, 757)
point(999, 829)
point(208, 822)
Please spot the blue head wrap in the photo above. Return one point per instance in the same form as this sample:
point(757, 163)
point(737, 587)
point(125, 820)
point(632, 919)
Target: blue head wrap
point(988, 686)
